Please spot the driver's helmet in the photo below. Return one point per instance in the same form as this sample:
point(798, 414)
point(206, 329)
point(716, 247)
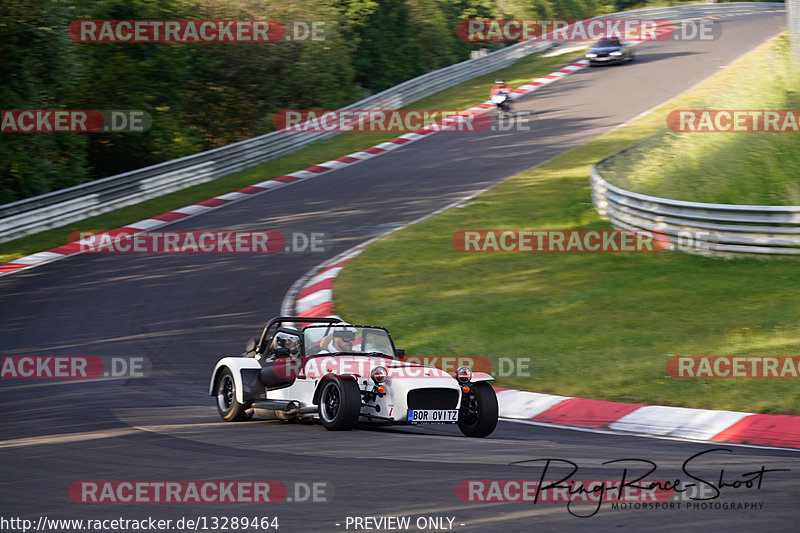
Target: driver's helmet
point(284, 340)
point(500, 82)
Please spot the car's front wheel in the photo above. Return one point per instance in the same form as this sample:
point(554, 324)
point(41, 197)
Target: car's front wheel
point(339, 404)
point(229, 408)
point(478, 414)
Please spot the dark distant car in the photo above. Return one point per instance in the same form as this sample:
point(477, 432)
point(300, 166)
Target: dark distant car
point(609, 51)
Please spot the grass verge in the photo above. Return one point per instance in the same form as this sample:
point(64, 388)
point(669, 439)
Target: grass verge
point(595, 325)
point(459, 97)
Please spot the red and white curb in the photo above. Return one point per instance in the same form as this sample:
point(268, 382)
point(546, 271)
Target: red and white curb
point(652, 420)
point(164, 219)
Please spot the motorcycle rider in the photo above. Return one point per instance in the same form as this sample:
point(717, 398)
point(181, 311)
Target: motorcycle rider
point(501, 87)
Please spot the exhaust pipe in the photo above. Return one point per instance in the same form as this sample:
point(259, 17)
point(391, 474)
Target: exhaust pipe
point(280, 409)
point(276, 405)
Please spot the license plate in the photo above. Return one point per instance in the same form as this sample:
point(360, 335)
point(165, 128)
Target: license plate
point(432, 416)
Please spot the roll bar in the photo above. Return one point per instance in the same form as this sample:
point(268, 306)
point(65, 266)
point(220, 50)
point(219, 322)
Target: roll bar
point(281, 319)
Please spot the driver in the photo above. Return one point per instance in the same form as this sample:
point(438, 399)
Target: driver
point(342, 342)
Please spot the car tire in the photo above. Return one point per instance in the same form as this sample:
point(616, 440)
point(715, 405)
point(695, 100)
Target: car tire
point(339, 404)
point(229, 408)
point(478, 414)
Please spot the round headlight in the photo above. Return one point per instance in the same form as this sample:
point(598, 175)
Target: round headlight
point(463, 374)
point(379, 374)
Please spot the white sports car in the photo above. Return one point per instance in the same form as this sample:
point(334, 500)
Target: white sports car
point(308, 368)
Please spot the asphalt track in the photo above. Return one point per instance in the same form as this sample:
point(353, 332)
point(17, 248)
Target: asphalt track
point(183, 312)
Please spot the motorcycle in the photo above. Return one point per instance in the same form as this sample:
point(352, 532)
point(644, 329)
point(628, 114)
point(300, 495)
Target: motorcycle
point(503, 101)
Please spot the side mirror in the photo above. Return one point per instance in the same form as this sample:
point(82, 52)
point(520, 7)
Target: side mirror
point(251, 345)
point(400, 352)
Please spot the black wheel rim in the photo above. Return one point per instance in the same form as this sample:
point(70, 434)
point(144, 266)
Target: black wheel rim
point(470, 413)
point(225, 393)
point(330, 402)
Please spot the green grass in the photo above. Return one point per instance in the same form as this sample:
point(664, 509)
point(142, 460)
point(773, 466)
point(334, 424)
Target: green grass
point(729, 168)
point(459, 97)
point(596, 325)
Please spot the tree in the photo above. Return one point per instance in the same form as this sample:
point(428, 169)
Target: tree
point(39, 70)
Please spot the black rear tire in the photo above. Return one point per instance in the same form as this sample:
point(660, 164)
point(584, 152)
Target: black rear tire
point(339, 404)
point(478, 414)
point(229, 408)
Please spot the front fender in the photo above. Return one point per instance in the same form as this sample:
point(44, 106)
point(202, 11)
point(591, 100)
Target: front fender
point(236, 365)
point(481, 376)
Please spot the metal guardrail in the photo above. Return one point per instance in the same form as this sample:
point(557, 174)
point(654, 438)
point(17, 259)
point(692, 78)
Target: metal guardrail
point(58, 208)
point(705, 229)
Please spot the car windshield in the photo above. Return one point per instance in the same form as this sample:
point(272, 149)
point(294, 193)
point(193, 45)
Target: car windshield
point(340, 338)
point(606, 44)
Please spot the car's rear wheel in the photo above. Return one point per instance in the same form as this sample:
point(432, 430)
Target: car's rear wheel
point(478, 414)
point(339, 404)
point(229, 408)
